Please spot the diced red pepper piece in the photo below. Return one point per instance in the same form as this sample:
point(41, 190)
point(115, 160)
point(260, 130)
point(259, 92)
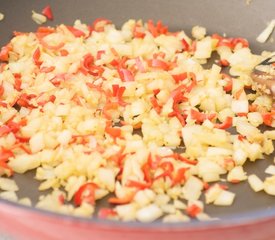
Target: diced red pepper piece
point(243, 41)
point(157, 29)
point(118, 158)
point(115, 88)
point(118, 92)
point(193, 210)
point(5, 169)
point(105, 213)
point(238, 94)
point(154, 162)
point(63, 52)
point(201, 117)
point(44, 31)
point(268, 118)
point(100, 23)
point(36, 57)
point(109, 106)
point(50, 47)
point(56, 81)
point(229, 163)
point(179, 77)
point(155, 104)
point(138, 31)
point(88, 61)
point(168, 169)
point(114, 132)
point(44, 102)
point(16, 33)
point(222, 41)
point(86, 193)
point(4, 130)
point(76, 32)
point(4, 53)
point(147, 172)
point(156, 91)
point(47, 69)
point(180, 176)
point(157, 63)
point(206, 185)
point(185, 45)
point(125, 75)
point(226, 124)
point(241, 137)
point(177, 156)
point(24, 100)
point(224, 63)
point(47, 12)
point(139, 65)
point(5, 154)
point(88, 64)
point(179, 116)
point(228, 79)
point(127, 199)
point(3, 104)
point(2, 89)
point(99, 54)
point(138, 185)
point(17, 81)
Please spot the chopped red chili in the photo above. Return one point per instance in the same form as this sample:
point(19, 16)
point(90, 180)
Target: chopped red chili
point(86, 193)
point(47, 12)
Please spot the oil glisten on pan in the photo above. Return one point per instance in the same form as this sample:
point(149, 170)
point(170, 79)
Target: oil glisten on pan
point(110, 116)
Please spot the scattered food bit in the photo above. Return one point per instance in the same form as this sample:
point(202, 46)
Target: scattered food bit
point(25, 201)
point(198, 32)
point(255, 183)
point(225, 198)
point(1, 16)
point(270, 170)
point(269, 185)
point(9, 195)
point(7, 184)
point(264, 35)
point(38, 18)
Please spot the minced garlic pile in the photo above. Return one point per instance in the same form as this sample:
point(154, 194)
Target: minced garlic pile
point(94, 110)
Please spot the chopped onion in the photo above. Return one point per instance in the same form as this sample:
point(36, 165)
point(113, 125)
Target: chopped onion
point(264, 35)
point(38, 18)
point(255, 183)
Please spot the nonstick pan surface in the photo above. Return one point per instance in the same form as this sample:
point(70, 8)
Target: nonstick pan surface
point(252, 215)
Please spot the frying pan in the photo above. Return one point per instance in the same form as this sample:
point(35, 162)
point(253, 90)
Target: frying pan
point(251, 217)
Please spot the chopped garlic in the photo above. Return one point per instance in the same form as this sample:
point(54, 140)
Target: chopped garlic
point(38, 18)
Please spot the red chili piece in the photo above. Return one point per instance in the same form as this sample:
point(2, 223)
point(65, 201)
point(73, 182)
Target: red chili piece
point(201, 117)
point(125, 75)
point(76, 32)
point(47, 12)
point(105, 213)
point(226, 124)
point(86, 193)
